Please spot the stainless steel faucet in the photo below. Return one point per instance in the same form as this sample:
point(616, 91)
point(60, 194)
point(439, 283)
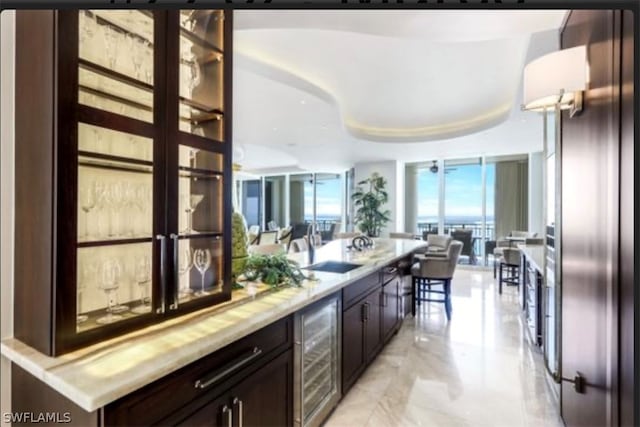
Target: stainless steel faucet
point(311, 243)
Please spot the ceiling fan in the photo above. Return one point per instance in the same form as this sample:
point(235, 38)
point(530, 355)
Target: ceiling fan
point(434, 168)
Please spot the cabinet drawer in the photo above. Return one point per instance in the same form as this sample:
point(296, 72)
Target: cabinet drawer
point(388, 273)
point(355, 291)
point(157, 400)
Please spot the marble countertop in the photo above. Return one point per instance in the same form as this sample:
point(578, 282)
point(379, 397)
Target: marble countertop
point(535, 254)
point(94, 376)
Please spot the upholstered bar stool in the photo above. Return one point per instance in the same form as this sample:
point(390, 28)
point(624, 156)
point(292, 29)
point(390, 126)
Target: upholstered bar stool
point(430, 272)
point(509, 268)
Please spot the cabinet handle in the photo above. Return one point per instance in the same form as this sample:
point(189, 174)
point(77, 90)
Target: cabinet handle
point(204, 383)
point(174, 305)
point(364, 312)
point(229, 412)
point(238, 402)
point(163, 279)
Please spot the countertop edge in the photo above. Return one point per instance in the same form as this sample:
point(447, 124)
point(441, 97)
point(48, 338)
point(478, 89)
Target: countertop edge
point(47, 368)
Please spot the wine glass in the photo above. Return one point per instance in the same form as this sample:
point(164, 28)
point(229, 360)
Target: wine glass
point(192, 203)
point(86, 274)
point(193, 78)
point(202, 261)
point(143, 278)
point(115, 197)
point(110, 275)
point(147, 55)
point(87, 29)
point(87, 203)
point(188, 21)
point(111, 37)
point(185, 263)
point(137, 53)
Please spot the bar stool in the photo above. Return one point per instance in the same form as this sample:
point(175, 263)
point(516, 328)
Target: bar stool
point(509, 268)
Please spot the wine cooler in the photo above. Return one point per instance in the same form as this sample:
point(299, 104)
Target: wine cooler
point(317, 366)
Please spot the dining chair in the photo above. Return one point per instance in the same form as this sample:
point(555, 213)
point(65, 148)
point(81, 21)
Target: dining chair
point(429, 272)
point(270, 249)
point(268, 237)
point(298, 245)
point(347, 235)
point(398, 235)
point(465, 235)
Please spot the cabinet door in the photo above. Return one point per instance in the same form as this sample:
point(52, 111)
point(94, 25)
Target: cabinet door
point(199, 159)
point(390, 308)
point(353, 356)
point(118, 170)
point(265, 397)
point(218, 413)
point(373, 323)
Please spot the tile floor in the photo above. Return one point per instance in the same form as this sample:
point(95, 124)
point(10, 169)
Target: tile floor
point(477, 370)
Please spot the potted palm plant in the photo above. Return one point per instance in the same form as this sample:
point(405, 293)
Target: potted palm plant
point(369, 198)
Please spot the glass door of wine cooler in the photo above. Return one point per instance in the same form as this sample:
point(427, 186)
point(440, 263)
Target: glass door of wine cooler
point(116, 263)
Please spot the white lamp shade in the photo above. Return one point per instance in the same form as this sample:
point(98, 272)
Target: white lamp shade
point(555, 78)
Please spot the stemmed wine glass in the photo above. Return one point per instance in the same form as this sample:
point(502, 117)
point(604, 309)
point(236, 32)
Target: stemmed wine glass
point(111, 37)
point(194, 73)
point(192, 203)
point(116, 198)
point(188, 21)
point(137, 53)
point(110, 275)
point(202, 261)
point(87, 30)
point(143, 278)
point(85, 274)
point(87, 203)
point(185, 264)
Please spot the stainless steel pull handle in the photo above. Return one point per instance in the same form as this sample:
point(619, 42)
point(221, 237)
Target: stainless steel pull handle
point(229, 412)
point(238, 402)
point(227, 370)
point(174, 305)
point(363, 313)
point(163, 279)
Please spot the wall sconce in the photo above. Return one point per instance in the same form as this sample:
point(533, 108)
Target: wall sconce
point(559, 78)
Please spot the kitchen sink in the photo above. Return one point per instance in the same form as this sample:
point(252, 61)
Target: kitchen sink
point(333, 266)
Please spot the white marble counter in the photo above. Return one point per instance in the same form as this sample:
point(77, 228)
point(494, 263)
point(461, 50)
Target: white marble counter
point(535, 254)
point(97, 375)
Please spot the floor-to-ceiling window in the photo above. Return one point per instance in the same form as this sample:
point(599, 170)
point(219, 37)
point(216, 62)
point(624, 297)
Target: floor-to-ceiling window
point(251, 202)
point(472, 193)
point(300, 198)
point(275, 201)
point(426, 191)
point(328, 201)
point(463, 202)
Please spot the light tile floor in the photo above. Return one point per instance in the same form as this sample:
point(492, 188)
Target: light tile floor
point(477, 370)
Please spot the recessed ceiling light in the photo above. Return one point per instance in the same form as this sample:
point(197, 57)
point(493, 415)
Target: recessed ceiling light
point(302, 101)
point(275, 129)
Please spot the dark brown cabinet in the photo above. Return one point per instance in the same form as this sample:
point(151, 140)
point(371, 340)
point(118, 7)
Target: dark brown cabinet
point(361, 327)
point(261, 399)
point(391, 307)
point(123, 170)
point(247, 383)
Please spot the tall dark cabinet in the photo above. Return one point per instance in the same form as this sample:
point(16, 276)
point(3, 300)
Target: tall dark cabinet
point(599, 299)
point(123, 171)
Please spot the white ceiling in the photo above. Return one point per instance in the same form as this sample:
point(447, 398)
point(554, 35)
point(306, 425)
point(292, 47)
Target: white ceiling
point(322, 90)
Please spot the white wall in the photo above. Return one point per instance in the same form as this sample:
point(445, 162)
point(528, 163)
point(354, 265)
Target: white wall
point(536, 193)
point(7, 64)
point(393, 172)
